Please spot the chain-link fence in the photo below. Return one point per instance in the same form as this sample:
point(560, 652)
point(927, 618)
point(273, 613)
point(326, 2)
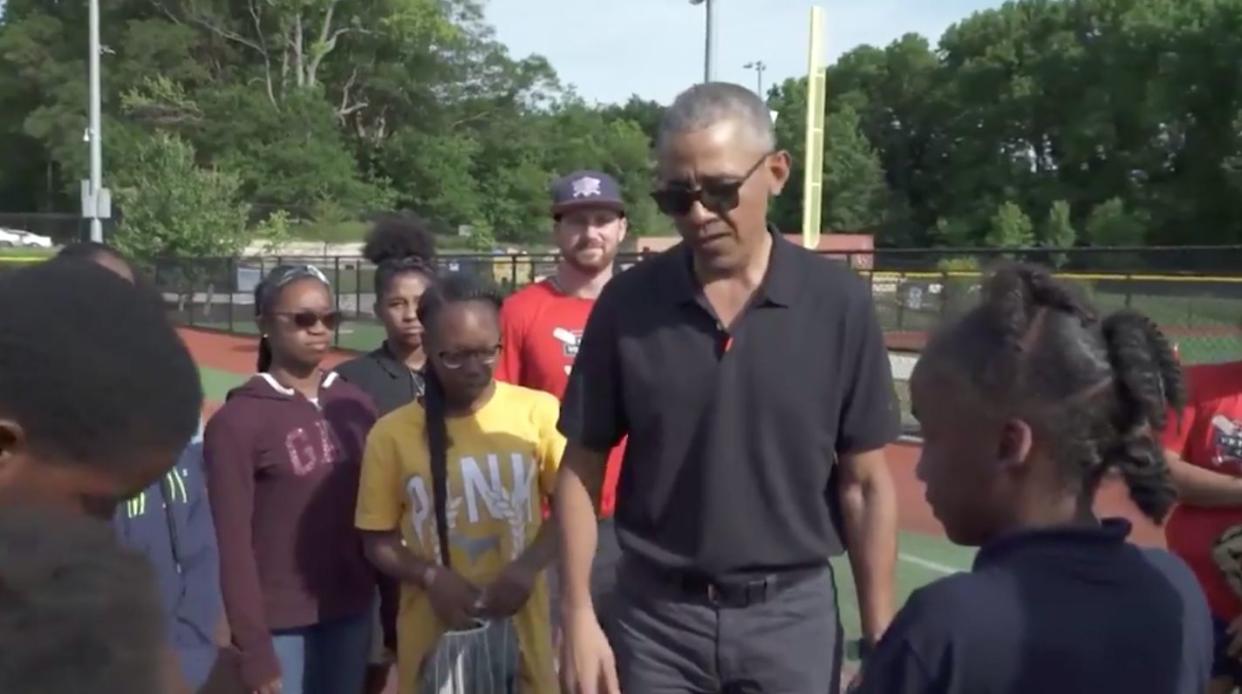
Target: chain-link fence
point(914, 290)
point(1195, 294)
point(218, 293)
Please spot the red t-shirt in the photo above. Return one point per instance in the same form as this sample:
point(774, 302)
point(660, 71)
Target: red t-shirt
point(540, 330)
point(1209, 435)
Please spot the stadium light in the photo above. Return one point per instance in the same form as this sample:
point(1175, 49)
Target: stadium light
point(758, 66)
point(93, 190)
point(709, 47)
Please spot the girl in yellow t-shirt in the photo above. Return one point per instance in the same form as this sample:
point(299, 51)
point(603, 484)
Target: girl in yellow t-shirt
point(498, 448)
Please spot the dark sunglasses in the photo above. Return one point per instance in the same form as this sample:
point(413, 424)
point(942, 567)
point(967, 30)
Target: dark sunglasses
point(718, 197)
point(309, 319)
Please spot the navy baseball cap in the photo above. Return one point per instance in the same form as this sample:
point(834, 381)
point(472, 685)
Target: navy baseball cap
point(586, 189)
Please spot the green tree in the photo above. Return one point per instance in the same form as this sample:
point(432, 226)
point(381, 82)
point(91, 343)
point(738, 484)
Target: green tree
point(171, 207)
point(1058, 231)
point(855, 194)
point(856, 197)
point(948, 232)
point(1110, 224)
point(1010, 228)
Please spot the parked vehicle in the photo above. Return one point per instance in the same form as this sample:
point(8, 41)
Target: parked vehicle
point(17, 238)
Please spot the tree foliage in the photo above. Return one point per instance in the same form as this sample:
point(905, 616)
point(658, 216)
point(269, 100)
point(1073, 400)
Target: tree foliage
point(1010, 228)
point(1038, 101)
point(1119, 118)
point(173, 207)
point(298, 106)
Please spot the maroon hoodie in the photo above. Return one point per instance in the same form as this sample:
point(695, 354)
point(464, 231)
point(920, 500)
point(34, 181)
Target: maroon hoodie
point(282, 474)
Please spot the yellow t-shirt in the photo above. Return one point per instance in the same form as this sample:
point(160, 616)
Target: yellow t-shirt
point(502, 463)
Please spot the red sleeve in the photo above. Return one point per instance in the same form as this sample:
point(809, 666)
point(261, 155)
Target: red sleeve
point(1177, 428)
point(227, 456)
point(512, 336)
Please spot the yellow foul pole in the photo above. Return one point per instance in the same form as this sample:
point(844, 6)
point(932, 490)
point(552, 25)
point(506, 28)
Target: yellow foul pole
point(816, 86)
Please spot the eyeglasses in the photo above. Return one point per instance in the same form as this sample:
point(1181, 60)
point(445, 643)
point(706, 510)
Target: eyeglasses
point(306, 320)
point(717, 196)
point(458, 359)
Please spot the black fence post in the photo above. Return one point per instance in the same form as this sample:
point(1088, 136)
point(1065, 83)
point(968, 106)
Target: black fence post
point(901, 303)
point(336, 281)
point(944, 294)
point(187, 281)
point(231, 286)
point(1129, 288)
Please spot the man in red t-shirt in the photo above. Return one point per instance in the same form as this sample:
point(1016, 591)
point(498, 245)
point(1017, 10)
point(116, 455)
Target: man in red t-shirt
point(1204, 447)
point(542, 324)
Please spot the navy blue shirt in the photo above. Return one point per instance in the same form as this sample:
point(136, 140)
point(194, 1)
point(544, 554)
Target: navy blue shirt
point(1063, 610)
point(170, 523)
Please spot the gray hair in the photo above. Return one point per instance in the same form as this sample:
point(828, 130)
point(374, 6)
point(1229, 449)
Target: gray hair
point(705, 105)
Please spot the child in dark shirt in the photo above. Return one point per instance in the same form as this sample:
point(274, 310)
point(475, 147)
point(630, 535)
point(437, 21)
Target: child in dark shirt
point(1025, 404)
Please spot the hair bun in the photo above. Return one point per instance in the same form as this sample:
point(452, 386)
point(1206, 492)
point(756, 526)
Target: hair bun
point(400, 237)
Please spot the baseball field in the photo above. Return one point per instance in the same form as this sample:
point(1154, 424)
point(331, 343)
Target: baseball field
point(924, 554)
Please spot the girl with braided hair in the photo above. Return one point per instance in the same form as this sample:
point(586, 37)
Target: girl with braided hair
point(403, 251)
point(450, 498)
point(1026, 403)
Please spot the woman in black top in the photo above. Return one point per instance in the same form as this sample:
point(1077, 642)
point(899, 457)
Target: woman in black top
point(403, 251)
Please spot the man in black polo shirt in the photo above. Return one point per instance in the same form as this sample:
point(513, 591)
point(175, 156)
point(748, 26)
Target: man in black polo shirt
point(752, 380)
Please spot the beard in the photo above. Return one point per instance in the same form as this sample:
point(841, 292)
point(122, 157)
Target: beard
point(590, 263)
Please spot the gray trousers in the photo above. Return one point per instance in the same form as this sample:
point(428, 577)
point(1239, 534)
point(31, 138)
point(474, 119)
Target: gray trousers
point(667, 642)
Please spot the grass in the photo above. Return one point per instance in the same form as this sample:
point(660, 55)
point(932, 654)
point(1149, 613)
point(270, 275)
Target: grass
point(25, 254)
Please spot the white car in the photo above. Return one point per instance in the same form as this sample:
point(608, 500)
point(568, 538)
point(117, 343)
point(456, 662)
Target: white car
point(16, 238)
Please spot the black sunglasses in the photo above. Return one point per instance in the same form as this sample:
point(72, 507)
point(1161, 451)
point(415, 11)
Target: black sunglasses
point(309, 319)
point(717, 196)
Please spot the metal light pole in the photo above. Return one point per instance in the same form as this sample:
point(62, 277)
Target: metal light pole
point(95, 134)
point(758, 66)
point(709, 48)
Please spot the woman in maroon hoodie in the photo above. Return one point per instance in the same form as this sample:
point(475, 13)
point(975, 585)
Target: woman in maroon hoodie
point(282, 459)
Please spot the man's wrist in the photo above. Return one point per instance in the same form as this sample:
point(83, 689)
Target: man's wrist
point(571, 605)
point(866, 646)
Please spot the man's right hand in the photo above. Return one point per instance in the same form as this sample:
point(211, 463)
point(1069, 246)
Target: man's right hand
point(453, 598)
point(587, 663)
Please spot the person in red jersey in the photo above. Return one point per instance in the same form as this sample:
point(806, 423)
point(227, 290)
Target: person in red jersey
point(1204, 450)
point(542, 324)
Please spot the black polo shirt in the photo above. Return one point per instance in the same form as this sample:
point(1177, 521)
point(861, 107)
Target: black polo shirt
point(732, 434)
point(389, 382)
point(1062, 610)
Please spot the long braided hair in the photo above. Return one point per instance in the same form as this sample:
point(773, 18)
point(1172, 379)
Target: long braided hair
point(453, 289)
point(1096, 391)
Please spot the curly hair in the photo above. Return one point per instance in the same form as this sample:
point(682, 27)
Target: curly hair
point(400, 244)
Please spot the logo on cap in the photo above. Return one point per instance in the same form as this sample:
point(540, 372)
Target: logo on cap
point(587, 187)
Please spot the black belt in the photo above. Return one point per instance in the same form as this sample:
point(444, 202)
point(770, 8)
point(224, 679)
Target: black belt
point(732, 593)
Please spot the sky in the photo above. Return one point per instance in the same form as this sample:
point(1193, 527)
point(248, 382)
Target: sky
point(610, 49)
